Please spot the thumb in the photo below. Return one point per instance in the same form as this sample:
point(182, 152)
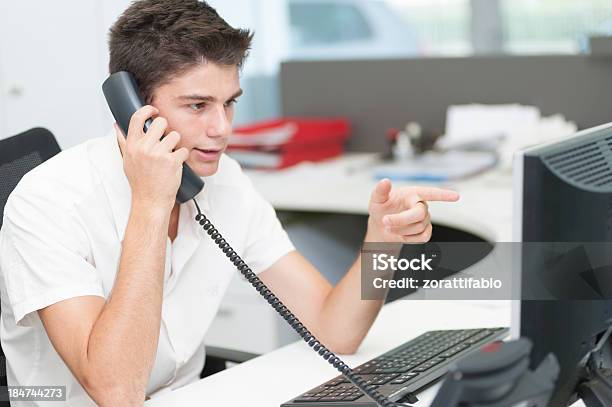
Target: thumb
point(381, 192)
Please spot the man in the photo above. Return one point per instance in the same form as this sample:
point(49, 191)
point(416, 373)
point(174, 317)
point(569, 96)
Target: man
point(108, 285)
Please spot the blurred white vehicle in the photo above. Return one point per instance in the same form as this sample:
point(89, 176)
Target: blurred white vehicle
point(341, 29)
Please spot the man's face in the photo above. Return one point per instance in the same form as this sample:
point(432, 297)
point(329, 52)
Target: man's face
point(199, 105)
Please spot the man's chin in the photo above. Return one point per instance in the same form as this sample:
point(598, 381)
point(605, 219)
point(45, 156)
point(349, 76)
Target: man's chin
point(204, 168)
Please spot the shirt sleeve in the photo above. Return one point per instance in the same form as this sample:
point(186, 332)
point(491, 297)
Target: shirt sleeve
point(43, 255)
point(266, 240)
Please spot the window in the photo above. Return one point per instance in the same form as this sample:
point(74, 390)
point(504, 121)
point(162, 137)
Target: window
point(317, 23)
point(442, 26)
point(553, 26)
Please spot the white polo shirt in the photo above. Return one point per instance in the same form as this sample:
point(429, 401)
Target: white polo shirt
point(61, 238)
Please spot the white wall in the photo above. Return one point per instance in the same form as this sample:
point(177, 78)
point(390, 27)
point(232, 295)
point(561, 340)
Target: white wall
point(50, 68)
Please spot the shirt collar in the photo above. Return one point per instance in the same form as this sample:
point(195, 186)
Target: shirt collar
point(117, 187)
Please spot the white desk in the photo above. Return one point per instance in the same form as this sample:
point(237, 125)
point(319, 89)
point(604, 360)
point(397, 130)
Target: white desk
point(271, 379)
point(344, 186)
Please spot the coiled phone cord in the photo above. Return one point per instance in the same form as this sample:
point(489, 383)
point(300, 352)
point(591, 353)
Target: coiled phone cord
point(288, 316)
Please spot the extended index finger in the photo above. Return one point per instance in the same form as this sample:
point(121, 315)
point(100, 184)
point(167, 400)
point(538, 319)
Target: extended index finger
point(436, 194)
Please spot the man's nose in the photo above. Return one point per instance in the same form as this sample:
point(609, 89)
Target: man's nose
point(218, 123)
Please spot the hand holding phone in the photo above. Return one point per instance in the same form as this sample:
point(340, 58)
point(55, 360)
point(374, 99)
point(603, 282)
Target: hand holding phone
point(121, 92)
point(151, 161)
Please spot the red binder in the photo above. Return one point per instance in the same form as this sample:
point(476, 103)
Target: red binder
point(284, 142)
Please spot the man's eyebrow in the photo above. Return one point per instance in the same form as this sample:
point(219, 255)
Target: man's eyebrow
point(207, 98)
point(237, 94)
point(197, 97)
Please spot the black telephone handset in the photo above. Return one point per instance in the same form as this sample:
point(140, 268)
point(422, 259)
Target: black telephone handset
point(121, 92)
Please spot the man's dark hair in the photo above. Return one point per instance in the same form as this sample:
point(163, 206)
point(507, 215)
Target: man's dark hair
point(157, 40)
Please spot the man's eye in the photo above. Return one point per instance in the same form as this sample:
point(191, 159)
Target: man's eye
point(231, 102)
point(197, 106)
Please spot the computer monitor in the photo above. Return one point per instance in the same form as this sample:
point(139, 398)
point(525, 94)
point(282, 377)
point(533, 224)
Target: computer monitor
point(563, 193)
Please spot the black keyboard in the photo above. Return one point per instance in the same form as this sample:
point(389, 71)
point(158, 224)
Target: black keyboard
point(402, 371)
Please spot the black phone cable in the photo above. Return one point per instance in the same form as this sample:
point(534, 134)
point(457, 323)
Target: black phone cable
point(288, 316)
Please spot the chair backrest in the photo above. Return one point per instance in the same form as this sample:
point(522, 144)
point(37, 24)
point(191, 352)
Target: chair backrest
point(21, 153)
point(18, 155)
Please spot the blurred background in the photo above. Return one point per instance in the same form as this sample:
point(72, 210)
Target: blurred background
point(53, 55)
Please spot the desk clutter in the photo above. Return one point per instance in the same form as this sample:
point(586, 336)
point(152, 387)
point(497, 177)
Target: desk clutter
point(501, 128)
point(477, 138)
point(437, 167)
point(282, 143)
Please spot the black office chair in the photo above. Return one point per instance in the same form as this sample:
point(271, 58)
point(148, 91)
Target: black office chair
point(218, 359)
point(20, 154)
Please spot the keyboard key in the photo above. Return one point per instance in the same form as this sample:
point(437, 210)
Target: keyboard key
point(479, 337)
point(365, 369)
point(454, 350)
point(404, 378)
point(382, 379)
point(330, 398)
point(305, 398)
point(336, 381)
point(386, 370)
point(428, 365)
